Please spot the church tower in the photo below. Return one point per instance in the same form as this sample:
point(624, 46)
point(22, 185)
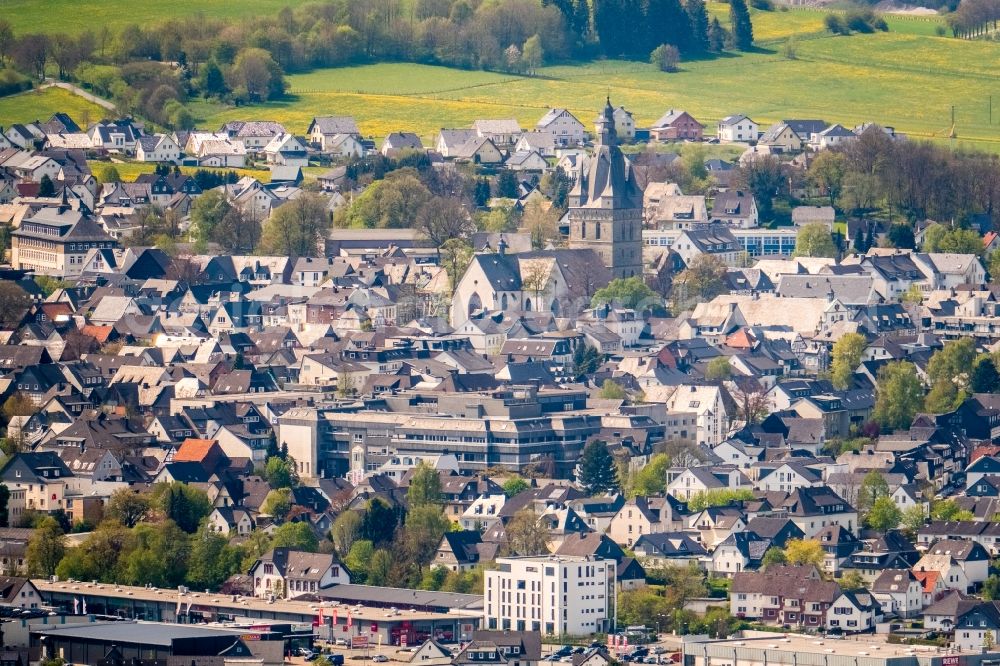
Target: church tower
point(605, 204)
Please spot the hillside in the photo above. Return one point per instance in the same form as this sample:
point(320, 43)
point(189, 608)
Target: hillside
point(74, 16)
point(906, 78)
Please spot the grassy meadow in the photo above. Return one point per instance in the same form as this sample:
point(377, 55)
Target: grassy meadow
point(41, 104)
point(130, 171)
point(73, 16)
point(908, 78)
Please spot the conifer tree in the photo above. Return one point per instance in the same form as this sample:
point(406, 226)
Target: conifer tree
point(698, 21)
point(739, 18)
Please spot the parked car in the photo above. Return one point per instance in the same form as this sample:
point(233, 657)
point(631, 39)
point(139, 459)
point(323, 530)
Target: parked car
point(380, 658)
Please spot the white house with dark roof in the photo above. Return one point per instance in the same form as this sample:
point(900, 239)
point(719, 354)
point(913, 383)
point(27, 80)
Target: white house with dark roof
point(898, 591)
point(737, 128)
point(736, 208)
point(834, 135)
point(324, 130)
point(542, 142)
point(288, 573)
point(157, 148)
point(786, 477)
point(564, 127)
point(711, 239)
point(286, 150)
point(398, 141)
point(526, 160)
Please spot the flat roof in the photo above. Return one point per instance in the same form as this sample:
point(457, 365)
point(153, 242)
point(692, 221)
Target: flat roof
point(242, 604)
point(853, 646)
point(402, 597)
point(147, 633)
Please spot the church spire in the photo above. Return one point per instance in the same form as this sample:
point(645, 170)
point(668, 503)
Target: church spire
point(605, 126)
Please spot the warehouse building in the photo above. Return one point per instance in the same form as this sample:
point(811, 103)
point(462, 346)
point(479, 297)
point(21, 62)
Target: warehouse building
point(768, 649)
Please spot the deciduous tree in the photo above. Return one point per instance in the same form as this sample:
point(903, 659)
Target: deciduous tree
point(805, 551)
point(629, 293)
point(526, 535)
point(899, 395)
point(295, 228)
point(128, 507)
point(46, 547)
point(814, 240)
point(884, 515)
point(702, 280)
point(826, 173)
point(846, 357)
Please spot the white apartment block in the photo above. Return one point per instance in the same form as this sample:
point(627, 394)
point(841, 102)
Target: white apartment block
point(556, 595)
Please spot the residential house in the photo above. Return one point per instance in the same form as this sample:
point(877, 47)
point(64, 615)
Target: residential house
point(564, 127)
point(781, 138)
point(676, 125)
point(898, 591)
point(286, 573)
point(834, 135)
point(324, 132)
point(646, 515)
point(735, 208)
point(713, 406)
point(714, 240)
point(503, 133)
point(854, 611)
point(668, 548)
point(738, 128)
point(286, 150)
point(396, 142)
point(793, 596)
point(624, 124)
point(157, 148)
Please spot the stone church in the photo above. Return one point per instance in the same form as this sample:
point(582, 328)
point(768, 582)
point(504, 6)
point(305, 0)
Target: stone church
point(605, 204)
point(605, 242)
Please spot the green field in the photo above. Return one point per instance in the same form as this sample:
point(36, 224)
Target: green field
point(40, 105)
point(72, 16)
point(908, 79)
point(130, 171)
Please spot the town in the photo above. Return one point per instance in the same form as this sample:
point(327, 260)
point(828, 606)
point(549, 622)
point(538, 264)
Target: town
point(584, 392)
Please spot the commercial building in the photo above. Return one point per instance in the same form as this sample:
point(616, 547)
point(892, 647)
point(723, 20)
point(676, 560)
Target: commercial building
point(510, 428)
point(757, 648)
point(556, 595)
point(400, 624)
point(55, 241)
point(756, 242)
point(155, 643)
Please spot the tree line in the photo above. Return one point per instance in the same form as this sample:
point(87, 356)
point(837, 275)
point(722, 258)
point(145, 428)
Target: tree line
point(155, 68)
point(911, 180)
point(975, 18)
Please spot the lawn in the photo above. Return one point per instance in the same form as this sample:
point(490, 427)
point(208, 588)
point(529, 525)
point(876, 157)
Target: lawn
point(72, 16)
point(130, 171)
point(40, 105)
point(906, 80)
